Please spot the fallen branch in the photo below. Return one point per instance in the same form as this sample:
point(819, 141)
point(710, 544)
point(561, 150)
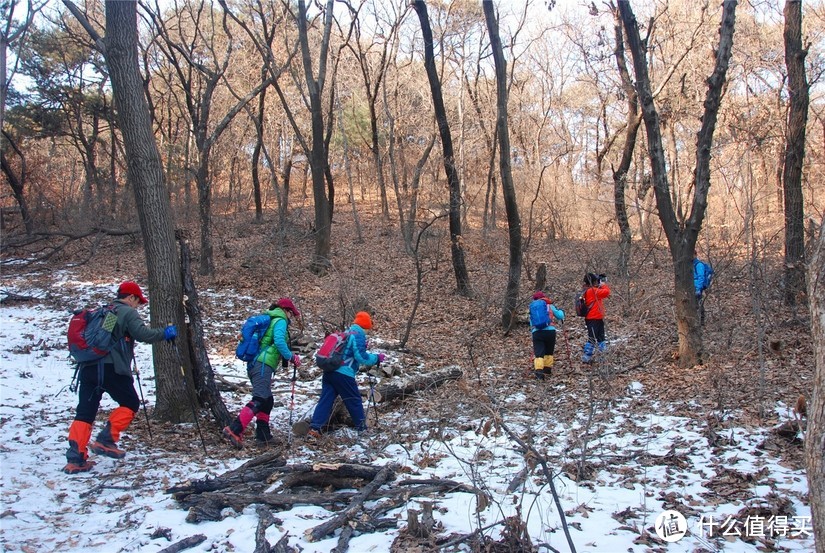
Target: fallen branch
point(357, 501)
point(186, 543)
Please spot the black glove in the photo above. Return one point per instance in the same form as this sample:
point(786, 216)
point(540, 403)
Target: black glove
point(602, 277)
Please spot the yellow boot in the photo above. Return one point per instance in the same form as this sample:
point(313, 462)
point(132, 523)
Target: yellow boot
point(548, 363)
point(538, 366)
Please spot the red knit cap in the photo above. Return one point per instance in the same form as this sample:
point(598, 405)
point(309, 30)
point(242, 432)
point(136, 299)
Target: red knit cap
point(363, 319)
point(539, 295)
point(287, 305)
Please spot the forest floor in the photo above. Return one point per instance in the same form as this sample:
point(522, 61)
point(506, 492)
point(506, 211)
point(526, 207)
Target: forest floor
point(597, 424)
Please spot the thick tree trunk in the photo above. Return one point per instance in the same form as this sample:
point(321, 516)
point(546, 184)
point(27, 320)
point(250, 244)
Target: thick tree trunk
point(462, 277)
point(681, 233)
point(318, 154)
point(794, 153)
point(815, 434)
point(508, 314)
point(145, 173)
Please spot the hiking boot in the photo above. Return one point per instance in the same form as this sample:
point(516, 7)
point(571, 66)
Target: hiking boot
point(235, 439)
point(107, 449)
point(263, 435)
point(105, 445)
point(538, 375)
point(74, 467)
point(313, 435)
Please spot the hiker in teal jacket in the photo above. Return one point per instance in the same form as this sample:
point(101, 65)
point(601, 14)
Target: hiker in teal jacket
point(342, 382)
point(274, 349)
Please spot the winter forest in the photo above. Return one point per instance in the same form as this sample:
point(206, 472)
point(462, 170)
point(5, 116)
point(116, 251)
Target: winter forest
point(437, 165)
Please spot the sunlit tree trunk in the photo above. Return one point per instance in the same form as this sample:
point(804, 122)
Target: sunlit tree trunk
point(681, 233)
point(815, 434)
point(794, 153)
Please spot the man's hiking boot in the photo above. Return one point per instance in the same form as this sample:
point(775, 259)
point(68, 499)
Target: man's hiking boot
point(107, 449)
point(76, 467)
point(263, 435)
point(232, 436)
point(105, 445)
point(313, 435)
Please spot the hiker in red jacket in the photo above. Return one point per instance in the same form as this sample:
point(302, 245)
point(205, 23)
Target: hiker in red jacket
point(113, 375)
point(596, 291)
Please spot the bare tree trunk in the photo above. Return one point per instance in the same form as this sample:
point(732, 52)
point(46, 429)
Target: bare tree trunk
point(510, 202)
point(634, 121)
point(17, 183)
point(318, 154)
point(462, 277)
point(682, 234)
point(815, 434)
point(794, 153)
point(145, 172)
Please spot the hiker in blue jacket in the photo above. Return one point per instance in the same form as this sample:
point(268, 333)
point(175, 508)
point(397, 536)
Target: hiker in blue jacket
point(342, 382)
point(543, 316)
point(702, 278)
point(274, 348)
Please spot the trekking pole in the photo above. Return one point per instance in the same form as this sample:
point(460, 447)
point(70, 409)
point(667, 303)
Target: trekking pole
point(567, 345)
point(191, 403)
point(142, 400)
point(372, 397)
point(292, 404)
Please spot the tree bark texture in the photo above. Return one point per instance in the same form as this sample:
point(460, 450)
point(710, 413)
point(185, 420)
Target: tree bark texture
point(815, 434)
point(794, 153)
point(634, 121)
point(682, 234)
point(462, 277)
point(202, 374)
point(508, 314)
point(318, 159)
point(145, 172)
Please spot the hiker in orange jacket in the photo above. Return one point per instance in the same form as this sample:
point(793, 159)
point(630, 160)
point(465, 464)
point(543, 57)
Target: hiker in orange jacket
point(596, 291)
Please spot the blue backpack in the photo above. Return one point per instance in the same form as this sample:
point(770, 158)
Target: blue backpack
point(539, 315)
point(251, 333)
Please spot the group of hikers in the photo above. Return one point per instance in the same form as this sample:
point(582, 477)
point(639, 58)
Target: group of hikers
point(545, 316)
point(112, 373)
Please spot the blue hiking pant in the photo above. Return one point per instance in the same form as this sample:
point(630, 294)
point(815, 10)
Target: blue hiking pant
point(334, 384)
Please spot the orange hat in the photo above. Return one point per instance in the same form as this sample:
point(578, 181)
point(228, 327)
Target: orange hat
point(363, 319)
point(130, 288)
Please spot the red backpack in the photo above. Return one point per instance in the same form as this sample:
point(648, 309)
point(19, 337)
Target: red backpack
point(330, 356)
point(90, 335)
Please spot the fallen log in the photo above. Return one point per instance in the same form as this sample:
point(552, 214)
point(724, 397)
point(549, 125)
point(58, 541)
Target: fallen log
point(401, 388)
point(355, 505)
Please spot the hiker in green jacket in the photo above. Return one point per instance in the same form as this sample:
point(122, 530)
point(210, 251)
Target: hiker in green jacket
point(274, 348)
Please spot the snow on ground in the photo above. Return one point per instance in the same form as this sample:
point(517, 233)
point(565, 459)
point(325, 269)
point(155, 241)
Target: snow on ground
point(648, 461)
